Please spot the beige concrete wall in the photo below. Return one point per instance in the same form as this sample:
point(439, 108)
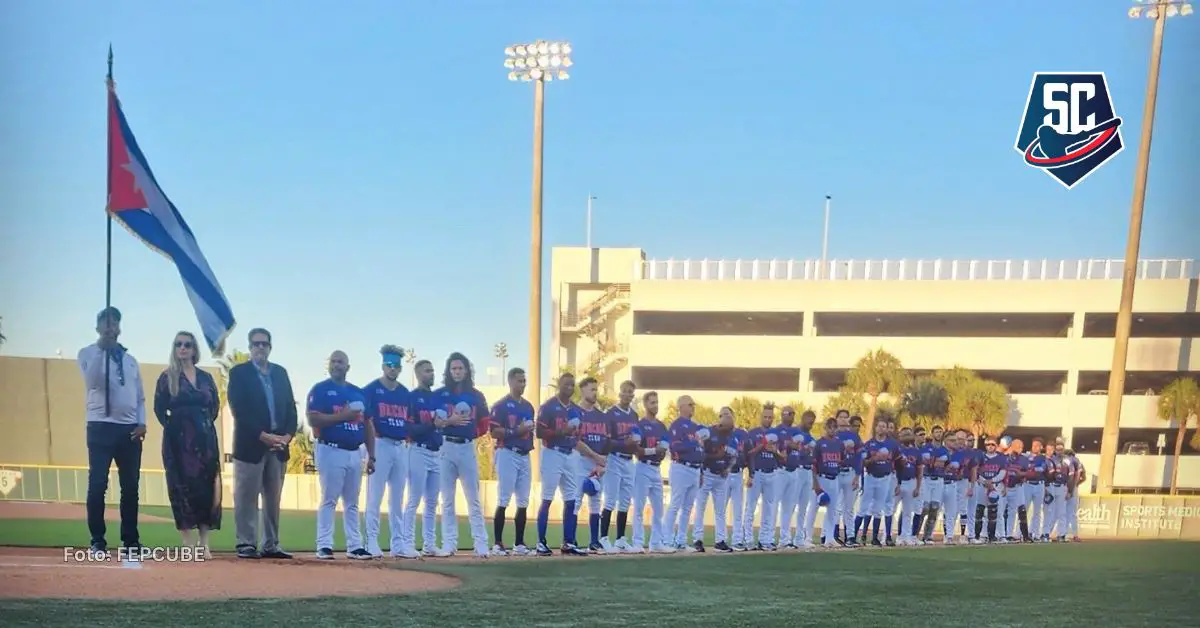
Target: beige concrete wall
point(42, 413)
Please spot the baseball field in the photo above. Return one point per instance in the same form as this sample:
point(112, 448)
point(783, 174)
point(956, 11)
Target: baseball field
point(1095, 583)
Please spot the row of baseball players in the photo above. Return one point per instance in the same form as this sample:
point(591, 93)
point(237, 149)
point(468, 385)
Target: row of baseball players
point(420, 445)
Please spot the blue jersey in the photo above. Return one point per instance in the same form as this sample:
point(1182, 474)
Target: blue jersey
point(1057, 470)
point(853, 445)
point(653, 432)
point(553, 416)
point(448, 399)
point(593, 429)
point(685, 447)
point(880, 457)
point(716, 454)
point(959, 464)
point(421, 431)
point(387, 409)
point(787, 444)
point(935, 466)
point(907, 462)
point(510, 414)
point(739, 443)
point(764, 461)
point(992, 467)
point(329, 397)
point(1037, 469)
point(620, 424)
point(829, 454)
point(1014, 474)
point(804, 448)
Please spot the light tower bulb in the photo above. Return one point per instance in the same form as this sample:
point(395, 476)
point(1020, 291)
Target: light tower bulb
point(543, 48)
point(519, 51)
point(535, 74)
point(509, 52)
point(512, 76)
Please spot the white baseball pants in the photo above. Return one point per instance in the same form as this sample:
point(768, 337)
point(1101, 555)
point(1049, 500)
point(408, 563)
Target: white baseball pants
point(558, 474)
point(1013, 503)
point(459, 463)
point(978, 497)
point(909, 505)
point(802, 532)
point(685, 483)
point(513, 478)
point(618, 483)
point(391, 476)
point(340, 474)
point(764, 487)
point(735, 488)
point(1056, 512)
point(833, 488)
point(647, 483)
point(424, 484)
point(717, 487)
point(789, 501)
point(954, 494)
point(1035, 495)
point(875, 495)
point(583, 469)
point(846, 499)
point(1073, 514)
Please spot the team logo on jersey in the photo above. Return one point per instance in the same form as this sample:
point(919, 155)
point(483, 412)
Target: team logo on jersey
point(1070, 128)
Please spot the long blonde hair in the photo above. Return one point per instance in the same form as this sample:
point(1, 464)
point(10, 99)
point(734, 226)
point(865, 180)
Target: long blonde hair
point(175, 365)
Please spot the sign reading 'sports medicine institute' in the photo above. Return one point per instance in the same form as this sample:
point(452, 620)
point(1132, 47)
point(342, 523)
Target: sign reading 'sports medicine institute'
point(1140, 516)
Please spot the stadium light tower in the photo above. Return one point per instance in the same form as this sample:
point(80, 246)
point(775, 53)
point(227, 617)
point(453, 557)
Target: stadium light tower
point(539, 63)
point(1159, 11)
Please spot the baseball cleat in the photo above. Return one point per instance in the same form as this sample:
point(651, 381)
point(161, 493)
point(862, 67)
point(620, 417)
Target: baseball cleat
point(890, 542)
point(622, 546)
point(543, 550)
point(722, 546)
point(482, 553)
point(498, 550)
point(440, 553)
point(807, 545)
point(359, 554)
point(521, 550)
point(570, 549)
point(663, 549)
point(596, 548)
point(697, 546)
point(325, 554)
point(606, 547)
point(407, 554)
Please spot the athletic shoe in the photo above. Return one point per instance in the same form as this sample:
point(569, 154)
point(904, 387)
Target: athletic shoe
point(542, 550)
point(789, 546)
point(441, 553)
point(606, 547)
point(1076, 539)
point(483, 553)
point(739, 547)
point(375, 552)
point(807, 545)
point(662, 549)
point(325, 553)
point(722, 546)
point(949, 540)
point(595, 548)
point(409, 554)
point(875, 543)
point(498, 550)
point(570, 549)
point(622, 546)
point(976, 541)
point(890, 542)
point(359, 554)
point(698, 547)
point(520, 550)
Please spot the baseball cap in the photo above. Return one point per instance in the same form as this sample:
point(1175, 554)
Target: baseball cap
point(109, 312)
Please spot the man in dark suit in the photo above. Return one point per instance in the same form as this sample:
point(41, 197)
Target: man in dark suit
point(264, 421)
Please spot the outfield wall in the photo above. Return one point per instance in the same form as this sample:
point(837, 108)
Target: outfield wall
point(1120, 516)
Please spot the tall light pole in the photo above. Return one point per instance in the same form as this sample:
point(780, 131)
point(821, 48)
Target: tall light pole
point(591, 197)
point(539, 63)
point(1159, 11)
point(501, 352)
point(822, 272)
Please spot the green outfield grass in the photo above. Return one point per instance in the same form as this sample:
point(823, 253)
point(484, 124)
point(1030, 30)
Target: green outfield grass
point(1093, 584)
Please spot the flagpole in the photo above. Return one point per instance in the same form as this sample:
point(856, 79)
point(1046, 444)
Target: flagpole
point(108, 219)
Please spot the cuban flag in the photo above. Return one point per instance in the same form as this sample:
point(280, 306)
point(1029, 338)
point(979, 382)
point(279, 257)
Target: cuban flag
point(137, 202)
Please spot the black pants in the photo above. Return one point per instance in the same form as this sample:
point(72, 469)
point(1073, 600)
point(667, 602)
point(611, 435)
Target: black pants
point(108, 443)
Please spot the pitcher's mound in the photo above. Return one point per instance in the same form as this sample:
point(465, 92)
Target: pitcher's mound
point(57, 510)
point(40, 573)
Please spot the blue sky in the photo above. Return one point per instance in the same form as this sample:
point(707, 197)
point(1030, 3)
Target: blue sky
point(360, 175)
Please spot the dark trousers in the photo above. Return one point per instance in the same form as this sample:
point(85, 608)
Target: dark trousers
point(108, 443)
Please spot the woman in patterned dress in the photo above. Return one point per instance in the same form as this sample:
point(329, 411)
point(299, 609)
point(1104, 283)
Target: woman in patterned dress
point(186, 404)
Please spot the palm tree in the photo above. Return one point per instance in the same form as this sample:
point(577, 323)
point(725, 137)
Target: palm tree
point(926, 402)
point(300, 452)
point(876, 374)
point(747, 412)
point(847, 400)
point(981, 406)
point(799, 406)
point(227, 362)
point(1179, 401)
point(705, 414)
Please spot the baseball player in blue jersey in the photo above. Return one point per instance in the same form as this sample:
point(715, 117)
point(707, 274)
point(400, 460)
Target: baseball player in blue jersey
point(687, 458)
point(974, 499)
point(892, 498)
point(424, 465)
point(829, 454)
point(647, 479)
point(955, 489)
point(788, 484)
point(765, 456)
point(878, 479)
point(335, 412)
point(848, 478)
point(990, 474)
point(618, 472)
point(910, 476)
point(512, 431)
point(593, 431)
point(720, 450)
point(387, 402)
point(468, 419)
point(935, 481)
point(1080, 476)
point(1035, 488)
point(558, 423)
point(1014, 502)
point(1060, 484)
point(794, 532)
point(737, 491)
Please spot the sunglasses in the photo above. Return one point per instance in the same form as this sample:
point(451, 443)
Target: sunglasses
point(391, 363)
point(260, 344)
point(183, 344)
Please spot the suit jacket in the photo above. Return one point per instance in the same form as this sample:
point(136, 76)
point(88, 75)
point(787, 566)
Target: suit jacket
point(251, 416)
